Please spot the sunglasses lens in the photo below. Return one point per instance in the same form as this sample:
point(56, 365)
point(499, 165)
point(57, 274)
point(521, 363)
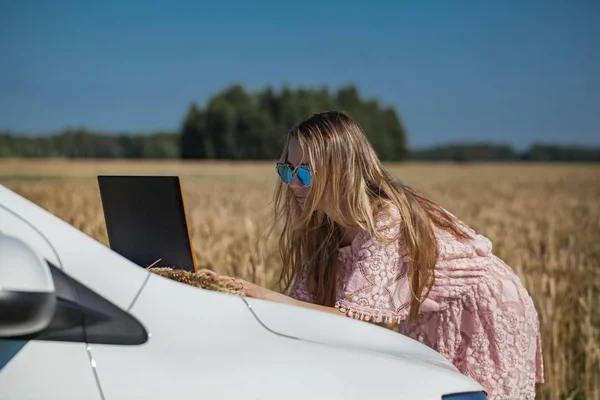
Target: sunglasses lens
point(304, 176)
point(284, 173)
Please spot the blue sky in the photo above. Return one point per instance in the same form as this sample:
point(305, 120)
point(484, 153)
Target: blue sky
point(506, 71)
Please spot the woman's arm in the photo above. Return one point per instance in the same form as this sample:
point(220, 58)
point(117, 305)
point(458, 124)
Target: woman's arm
point(282, 298)
point(253, 290)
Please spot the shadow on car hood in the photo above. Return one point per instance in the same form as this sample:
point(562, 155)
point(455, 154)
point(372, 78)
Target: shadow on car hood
point(341, 331)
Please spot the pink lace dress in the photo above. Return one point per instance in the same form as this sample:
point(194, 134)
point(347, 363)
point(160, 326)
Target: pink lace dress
point(478, 314)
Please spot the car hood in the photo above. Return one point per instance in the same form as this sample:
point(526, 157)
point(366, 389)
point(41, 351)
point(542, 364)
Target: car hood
point(341, 331)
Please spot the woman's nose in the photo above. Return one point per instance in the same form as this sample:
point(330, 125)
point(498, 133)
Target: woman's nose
point(295, 182)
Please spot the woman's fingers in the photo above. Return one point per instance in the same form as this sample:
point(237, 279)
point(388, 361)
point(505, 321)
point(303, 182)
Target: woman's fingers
point(249, 289)
point(212, 273)
point(225, 278)
point(209, 272)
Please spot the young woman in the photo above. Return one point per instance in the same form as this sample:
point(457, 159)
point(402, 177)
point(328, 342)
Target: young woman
point(357, 242)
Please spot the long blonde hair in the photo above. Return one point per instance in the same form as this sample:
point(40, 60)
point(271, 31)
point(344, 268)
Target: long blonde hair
point(347, 170)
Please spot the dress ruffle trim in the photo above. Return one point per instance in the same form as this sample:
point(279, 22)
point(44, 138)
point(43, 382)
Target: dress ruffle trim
point(368, 315)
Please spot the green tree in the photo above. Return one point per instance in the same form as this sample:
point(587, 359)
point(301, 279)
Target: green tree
point(242, 125)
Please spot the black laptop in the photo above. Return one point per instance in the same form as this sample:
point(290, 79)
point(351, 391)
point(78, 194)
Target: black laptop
point(146, 220)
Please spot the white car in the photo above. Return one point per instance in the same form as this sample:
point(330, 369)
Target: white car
point(79, 321)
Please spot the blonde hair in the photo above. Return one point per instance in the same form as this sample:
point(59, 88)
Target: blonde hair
point(346, 169)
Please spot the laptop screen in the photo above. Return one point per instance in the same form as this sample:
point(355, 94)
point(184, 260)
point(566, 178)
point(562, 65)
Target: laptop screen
point(146, 220)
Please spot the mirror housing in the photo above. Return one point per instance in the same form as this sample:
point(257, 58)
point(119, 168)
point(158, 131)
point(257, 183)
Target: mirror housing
point(27, 292)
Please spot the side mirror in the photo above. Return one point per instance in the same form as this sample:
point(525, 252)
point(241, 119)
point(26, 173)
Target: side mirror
point(27, 294)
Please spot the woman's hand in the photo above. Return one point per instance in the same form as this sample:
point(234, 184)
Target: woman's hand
point(249, 289)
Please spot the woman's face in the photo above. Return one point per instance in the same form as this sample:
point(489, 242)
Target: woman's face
point(295, 157)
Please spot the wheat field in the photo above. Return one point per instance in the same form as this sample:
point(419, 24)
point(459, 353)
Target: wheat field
point(544, 221)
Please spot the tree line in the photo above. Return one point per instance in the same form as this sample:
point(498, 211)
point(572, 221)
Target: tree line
point(80, 143)
point(238, 125)
point(482, 152)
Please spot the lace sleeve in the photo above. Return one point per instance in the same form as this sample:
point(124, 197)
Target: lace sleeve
point(377, 288)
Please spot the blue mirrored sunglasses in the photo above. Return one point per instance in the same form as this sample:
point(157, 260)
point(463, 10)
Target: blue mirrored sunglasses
point(286, 173)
